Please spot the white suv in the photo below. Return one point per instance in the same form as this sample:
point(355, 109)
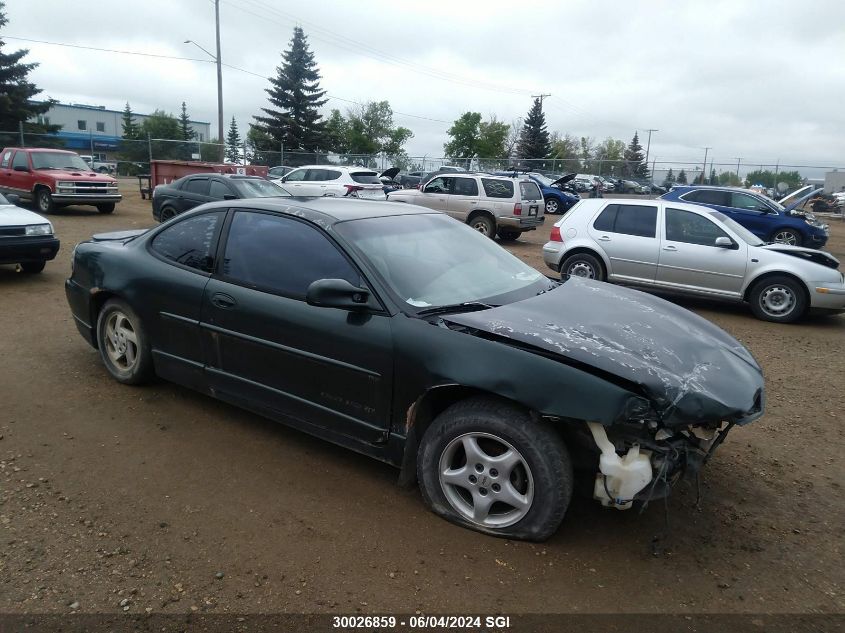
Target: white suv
point(492, 205)
point(333, 181)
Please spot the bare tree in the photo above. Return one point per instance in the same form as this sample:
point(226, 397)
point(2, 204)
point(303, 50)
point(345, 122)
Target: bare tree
point(513, 137)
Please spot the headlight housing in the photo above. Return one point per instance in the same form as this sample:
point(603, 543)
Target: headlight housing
point(39, 229)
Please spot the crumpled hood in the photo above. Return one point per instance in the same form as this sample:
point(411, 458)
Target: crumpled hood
point(802, 252)
point(690, 370)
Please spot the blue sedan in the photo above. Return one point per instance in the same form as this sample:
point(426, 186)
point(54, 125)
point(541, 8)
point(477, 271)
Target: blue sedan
point(767, 219)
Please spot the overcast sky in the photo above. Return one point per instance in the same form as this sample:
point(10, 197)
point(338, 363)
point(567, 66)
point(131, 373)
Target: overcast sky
point(759, 79)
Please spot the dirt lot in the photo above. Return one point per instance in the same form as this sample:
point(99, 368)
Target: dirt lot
point(159, 499)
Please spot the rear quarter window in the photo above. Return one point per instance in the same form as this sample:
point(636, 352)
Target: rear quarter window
point(530, 191)
point(628, 219)
point(365, 177)
point(497, 188)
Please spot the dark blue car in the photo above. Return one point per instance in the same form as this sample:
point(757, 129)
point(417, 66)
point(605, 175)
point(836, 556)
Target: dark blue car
point(767, 219)
point(556, 199)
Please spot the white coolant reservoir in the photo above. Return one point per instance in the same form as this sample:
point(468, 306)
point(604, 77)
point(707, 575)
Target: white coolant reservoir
point(619, 478)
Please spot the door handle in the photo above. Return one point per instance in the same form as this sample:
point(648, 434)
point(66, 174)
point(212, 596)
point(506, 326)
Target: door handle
point(669, 248)
point(604, 238)
point(223, 301)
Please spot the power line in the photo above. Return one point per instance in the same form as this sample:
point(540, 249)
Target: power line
point(108, 50)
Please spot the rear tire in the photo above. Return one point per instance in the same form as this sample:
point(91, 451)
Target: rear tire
point(106, 208)
point(123, 343)
point(582, 265)
point(508, 236)
point(553, 206)
point(518, 483)
point(33, 267)
point(778, 299)
point(483, 224)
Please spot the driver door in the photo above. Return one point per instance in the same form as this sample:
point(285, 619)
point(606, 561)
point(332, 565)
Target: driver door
point(269, 350)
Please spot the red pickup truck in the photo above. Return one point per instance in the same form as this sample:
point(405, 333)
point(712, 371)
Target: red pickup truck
point(55, 178)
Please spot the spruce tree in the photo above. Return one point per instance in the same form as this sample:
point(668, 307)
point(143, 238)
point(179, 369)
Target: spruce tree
point(682, 177)
point(131, 130)
point(534, 139)
point(233, 143)
point(188, 133)
point(635, 166)
point(16, 93)
point(670, 177)
point(293, 117)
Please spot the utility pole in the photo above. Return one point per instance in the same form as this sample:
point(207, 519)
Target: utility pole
point(540, 97)
point(20, 131)
point(648, 144)
point(738, 159)
point(219, 80)
point(704, 169)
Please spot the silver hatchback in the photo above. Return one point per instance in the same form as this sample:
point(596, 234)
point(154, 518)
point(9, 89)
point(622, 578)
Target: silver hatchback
point(693, 250)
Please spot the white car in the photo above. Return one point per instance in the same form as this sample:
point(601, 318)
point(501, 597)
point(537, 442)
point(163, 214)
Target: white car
point(690, 249)
point(26, 238)
point(333, 181)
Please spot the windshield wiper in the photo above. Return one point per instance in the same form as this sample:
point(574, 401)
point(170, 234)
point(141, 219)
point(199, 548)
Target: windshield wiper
point(456, 307)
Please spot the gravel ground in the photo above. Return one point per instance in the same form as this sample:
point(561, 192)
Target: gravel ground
point(157, 499)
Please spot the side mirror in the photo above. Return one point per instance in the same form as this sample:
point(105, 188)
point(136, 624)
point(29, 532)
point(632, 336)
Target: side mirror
point(13, 198)
point(339, 293)
point(21, 168)
point(229, 196)
point(764, 209)
point(726, 242)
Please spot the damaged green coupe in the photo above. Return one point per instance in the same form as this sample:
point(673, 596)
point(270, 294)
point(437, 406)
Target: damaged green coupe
point(405, 335)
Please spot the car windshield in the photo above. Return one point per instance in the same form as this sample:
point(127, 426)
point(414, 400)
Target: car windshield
point(258, 188)
point(543, 180)
point(431, 260)
point(744, 234)
point(58, 160)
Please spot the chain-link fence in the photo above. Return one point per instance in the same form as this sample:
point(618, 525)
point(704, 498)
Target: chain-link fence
point(129, 157)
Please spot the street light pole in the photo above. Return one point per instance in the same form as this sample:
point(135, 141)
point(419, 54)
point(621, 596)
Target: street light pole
point(218, 60)
point(648, 144)
point(219, 79)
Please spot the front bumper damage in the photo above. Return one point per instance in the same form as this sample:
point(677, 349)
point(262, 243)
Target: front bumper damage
point(637, 463)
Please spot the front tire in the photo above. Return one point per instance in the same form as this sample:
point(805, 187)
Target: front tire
point(786, 236)
point(106, 208)
point(44, 200)
point(123, 343)
point(582, 265)
point(33, 267)
point(778, 299)
point(486, 465)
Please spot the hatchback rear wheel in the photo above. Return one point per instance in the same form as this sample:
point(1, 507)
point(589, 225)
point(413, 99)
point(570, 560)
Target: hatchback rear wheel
point(582, 265)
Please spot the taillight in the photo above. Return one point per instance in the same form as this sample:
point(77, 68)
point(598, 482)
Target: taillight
point(555, 236)
point(352, 190)
point(517, 208)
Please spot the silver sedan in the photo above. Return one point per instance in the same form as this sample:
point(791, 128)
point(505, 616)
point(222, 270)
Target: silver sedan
point(693, 250)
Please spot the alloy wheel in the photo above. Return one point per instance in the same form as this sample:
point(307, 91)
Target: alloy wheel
point(786, 237)
point(121, 341)
point(552, 206)
point(486, 480)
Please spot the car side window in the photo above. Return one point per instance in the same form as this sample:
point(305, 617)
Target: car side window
point(438, 185)
point(744, 201)
point(466, 187)
point(218, 190)
point(497, 188)
point(198, 186)
point(709, 196)
point(691, 228)
point(331, 174)
point(281, 255)
point(190, 242)
point(20, 160)
point(6, 157)
point(315, 175)
point(297, 175)
point(628, 219)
